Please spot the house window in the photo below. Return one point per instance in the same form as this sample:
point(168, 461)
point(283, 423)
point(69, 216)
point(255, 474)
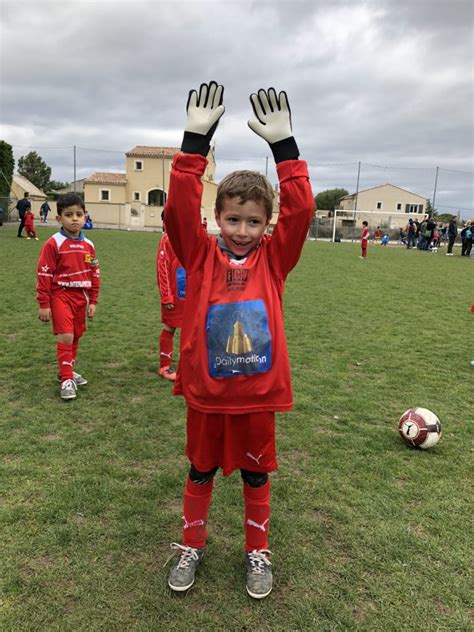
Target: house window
point(156, 197)
point(399, 206)
point(105, 195)
point(379, 206)
point(413, 208)
point(138, 165)
point(136, 196)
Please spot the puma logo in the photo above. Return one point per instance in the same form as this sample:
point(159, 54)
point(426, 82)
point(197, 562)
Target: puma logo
point(193, 523)
point(254, 458)
point(252, 523)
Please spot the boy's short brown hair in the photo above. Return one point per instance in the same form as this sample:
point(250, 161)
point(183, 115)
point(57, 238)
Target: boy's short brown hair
point(248, 186)
point(69, 199)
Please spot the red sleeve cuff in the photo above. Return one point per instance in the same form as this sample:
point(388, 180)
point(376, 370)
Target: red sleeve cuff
point(292, 169)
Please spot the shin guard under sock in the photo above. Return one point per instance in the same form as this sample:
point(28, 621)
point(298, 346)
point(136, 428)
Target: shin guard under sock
point(257, 516)
point(197, 499)
point(65, 361)
point(166, 348)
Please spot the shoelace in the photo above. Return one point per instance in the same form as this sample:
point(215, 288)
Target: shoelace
point(68, 384)
point(258, 560)
point(188, 554)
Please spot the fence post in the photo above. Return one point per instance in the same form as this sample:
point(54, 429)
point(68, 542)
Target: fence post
point(334, 226)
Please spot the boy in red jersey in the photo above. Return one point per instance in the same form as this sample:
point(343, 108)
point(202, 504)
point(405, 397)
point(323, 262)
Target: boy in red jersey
point(234, 370)
point(171, 278)
point(364, 239)
point(30, 225)
point(68, 287)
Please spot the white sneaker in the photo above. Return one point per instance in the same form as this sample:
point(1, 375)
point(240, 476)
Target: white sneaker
point(68, 389)
point(80, 381)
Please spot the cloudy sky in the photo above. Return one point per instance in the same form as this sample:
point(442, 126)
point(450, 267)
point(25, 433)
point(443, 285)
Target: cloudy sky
point(388, 83)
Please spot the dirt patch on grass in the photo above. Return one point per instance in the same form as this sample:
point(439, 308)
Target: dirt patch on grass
point(53, 437)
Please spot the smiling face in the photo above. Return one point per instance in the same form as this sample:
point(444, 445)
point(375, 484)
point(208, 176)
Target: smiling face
point(72, 219)
point(242, 225)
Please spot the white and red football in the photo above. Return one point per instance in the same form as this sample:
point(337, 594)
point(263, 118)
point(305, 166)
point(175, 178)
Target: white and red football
point(420, 428)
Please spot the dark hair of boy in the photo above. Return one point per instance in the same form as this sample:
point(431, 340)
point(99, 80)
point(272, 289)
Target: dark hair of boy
point(248, 186)
point(365, 223)
point(69, 199)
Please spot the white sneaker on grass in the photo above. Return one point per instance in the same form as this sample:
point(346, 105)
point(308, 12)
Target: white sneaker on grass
point(259, 573)
point(68, 389)
point(77, 377)
point(183, 571)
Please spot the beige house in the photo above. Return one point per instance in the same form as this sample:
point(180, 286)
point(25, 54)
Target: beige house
point(385, 205)
point(137, 197)
point(21, 185)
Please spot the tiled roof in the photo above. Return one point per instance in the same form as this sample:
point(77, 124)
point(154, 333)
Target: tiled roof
point(100, 177)
point(143, 151)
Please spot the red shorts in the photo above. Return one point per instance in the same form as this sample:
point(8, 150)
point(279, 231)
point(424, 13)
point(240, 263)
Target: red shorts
point(172, 317)
point(231, 442)
point(68, 310)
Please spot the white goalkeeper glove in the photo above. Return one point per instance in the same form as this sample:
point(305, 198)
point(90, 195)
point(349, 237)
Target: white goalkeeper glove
point(204, 111)
point(273, 123)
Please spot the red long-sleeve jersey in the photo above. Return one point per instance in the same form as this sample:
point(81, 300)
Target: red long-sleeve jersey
point(29, 220)
point(171, 279)
point(65, 262)
point(234, 357)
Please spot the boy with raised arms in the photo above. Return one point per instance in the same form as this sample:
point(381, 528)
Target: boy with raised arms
point(234, 370)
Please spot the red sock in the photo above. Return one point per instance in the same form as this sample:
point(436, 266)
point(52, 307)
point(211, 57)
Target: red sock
point(166, 348)
point(197, 499)
point(257, 516)
point(65, 360)
point(75, 345)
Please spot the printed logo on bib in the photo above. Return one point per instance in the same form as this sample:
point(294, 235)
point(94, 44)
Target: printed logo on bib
point(238, 339)
point(181, 282)
point(236, 279)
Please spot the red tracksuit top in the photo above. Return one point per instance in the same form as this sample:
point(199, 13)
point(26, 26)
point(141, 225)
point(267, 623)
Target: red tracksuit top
point(68, 263)
point(171, 279)
point(29, 220)
point(233, 356)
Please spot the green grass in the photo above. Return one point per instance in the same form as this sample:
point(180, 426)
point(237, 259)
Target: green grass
point(367, 534)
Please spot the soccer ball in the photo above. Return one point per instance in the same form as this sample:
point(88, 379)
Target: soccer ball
point(420, 428)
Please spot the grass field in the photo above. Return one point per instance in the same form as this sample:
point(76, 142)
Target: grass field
point(367, 534)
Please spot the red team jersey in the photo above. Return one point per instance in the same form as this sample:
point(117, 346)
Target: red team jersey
point(171, 278)
point(67, 263)
point(365, 236)
point(29, 221)
point(234, 357)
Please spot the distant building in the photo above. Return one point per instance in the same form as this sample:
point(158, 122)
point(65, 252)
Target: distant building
point(381, 205)
point(73, 187)
point(137, 196)
point(21, 185)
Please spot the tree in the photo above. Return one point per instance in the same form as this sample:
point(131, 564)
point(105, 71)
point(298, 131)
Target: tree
point(431, 212)
point(33, 167)
point(329, 199)
point(56, 185)
point(7, 165)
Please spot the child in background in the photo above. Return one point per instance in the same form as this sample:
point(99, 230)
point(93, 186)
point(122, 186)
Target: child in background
point(68, 287)
point(364, 239)
point(30, 225)
point(234, 370)
point(171, 278)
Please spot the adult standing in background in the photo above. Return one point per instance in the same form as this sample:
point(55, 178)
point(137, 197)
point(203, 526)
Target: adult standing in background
point(22, 206)
point(44, 210)
point(452, 234)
